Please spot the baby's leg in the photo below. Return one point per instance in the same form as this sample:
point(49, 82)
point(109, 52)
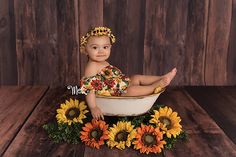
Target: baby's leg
point(137, 90)
point(166, 79)
point(144, 80)
point(140, 90)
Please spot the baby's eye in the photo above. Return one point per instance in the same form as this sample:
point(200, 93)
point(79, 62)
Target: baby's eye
point(94, 47)
point(106, 47)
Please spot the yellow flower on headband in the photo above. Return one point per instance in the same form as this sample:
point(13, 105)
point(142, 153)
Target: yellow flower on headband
point(97, 31)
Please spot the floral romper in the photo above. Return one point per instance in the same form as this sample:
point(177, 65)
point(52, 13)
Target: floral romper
point(109, 81)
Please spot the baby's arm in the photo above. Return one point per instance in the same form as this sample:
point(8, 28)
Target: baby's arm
point(91, 70)
point(95, 110)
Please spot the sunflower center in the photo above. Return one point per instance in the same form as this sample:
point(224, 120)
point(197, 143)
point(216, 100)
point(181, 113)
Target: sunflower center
point(166, 121)
point(96, 134)
point(148, 139)
point(121, 136)
point(72, 113)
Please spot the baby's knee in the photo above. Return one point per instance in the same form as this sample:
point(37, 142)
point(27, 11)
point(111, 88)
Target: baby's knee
point(135, 80)
point(135, 77)
point(130, 91)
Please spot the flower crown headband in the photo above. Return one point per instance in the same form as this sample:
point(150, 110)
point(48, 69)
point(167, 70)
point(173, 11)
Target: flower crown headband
point(97, 31)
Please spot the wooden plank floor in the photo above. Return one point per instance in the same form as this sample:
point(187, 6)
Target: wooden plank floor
point(16, 104)
point(207, 114)
point(220, 103)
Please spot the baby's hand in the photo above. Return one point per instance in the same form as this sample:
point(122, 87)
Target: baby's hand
point(96, 113)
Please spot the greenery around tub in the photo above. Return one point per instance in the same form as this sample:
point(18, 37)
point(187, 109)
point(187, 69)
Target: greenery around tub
point(153, 132)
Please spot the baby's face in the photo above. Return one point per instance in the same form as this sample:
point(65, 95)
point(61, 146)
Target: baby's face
point(98, 48)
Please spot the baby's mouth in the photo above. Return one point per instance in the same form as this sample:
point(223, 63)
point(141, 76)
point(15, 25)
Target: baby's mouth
point(101, 55)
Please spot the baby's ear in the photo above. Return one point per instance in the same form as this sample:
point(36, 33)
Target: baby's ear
point(82, 50)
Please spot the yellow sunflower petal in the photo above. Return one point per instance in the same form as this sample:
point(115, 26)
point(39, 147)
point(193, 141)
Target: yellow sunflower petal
point(62, 117)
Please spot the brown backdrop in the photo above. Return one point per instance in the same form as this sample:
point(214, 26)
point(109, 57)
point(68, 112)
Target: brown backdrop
point(39, 39)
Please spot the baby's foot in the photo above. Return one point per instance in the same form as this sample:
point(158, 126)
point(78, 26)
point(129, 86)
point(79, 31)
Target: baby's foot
point(166, 79)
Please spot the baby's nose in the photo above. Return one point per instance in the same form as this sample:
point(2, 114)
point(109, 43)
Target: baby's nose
point(100, 50)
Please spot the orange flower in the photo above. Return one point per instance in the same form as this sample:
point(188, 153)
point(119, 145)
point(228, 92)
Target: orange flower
point(95, 133)
point(149, 139)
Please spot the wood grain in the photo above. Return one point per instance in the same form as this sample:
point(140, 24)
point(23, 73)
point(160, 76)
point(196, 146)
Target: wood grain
point(106, 152)
point(68, 44)
point(32, 139)
point(25, 40)
point(220, 103)
point(90, 16)
point(231, 58)
point(16, 104)
point(25, 143)
point(8, 67)
point(46, 43)
point(194, 56)
point(128, 27)
point(165, 35)
point(154, 39)
point(219, 21)
point(205, 137)
point(39, 40)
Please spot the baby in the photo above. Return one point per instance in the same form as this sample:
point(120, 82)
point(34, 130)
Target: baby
point(102, 78)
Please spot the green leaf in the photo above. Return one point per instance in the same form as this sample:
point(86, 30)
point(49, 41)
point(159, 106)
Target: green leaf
point(64, 132)
point(170, 142)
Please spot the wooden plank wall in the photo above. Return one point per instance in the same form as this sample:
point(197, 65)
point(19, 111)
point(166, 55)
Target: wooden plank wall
point(39, 40)
point(8, 66)
point(46, 42)
point(231, 63)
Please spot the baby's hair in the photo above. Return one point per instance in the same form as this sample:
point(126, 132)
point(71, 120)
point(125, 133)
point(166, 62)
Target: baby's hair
point(97, 31)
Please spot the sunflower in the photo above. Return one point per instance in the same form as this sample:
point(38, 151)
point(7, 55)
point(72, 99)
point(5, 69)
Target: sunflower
point(95, 133)
point(71, 111)
point(96, 84)
point(120, 135)
point(107, 72)
point(149, 139)
point(168, 121)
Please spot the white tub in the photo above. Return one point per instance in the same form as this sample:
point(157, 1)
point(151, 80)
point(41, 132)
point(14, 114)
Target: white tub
point(126, 106)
